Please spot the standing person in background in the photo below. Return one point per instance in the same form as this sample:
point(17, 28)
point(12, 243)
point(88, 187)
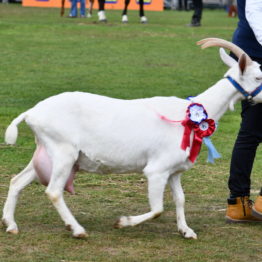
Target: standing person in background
point(182, 5)
point(198, 8)
point(73, 11)
point(247, 36)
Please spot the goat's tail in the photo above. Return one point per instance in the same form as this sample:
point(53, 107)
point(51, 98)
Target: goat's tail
point(11, 132)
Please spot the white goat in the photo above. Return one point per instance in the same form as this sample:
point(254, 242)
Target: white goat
point(105, 135)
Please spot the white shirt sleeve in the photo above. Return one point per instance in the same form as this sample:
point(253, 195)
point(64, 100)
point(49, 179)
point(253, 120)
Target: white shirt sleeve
point(254, 17)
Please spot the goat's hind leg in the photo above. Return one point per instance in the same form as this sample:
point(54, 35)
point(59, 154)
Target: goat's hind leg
point(62, 167)
point(179, 198)
point(156, 188)
point(17, 184)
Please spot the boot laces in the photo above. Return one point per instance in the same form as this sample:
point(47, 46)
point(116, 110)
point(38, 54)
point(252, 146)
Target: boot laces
point(249, 203)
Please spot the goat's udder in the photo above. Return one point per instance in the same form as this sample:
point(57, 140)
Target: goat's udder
point(43, 167)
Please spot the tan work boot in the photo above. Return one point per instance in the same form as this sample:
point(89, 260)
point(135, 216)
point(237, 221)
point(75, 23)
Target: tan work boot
point(239, 210)
point(257, 208)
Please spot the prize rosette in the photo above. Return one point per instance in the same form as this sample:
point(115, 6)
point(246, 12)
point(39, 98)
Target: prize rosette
point(197, 121)
point(196, 113)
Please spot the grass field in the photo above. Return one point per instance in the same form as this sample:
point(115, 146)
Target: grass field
point(42, 55)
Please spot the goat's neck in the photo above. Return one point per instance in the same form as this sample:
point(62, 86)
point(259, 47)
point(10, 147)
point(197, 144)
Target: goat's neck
point(218, 98)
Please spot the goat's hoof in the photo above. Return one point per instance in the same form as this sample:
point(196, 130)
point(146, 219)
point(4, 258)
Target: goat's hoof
point(83, 234)
point(80, 235)
point(188, 234)
point(122, 222)
point(12, 230)
point(68, 227)
point(118, 224)
point(79, 232)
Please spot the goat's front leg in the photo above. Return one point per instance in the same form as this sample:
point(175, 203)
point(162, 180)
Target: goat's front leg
point(156, 187)
point(17, 184)
point(62, 165)
point(179, 198)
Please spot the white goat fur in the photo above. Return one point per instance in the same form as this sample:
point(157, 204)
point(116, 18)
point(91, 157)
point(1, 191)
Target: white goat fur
point(107, 135)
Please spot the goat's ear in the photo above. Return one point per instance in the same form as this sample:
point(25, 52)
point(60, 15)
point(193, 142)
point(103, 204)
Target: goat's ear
point(228, 60)
point(242, 63)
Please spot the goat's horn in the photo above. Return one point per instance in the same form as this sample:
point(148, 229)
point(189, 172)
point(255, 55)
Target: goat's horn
point(207, 42)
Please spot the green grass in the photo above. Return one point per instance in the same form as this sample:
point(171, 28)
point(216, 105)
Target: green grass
point(42, 55)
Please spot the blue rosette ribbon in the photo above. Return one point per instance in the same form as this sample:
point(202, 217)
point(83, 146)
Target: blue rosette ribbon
point(212, 152)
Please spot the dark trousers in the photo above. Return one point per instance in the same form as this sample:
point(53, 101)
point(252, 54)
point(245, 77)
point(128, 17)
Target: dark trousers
point(182, 4)
point(244, 151)
point(101, 4)
point(198, 7)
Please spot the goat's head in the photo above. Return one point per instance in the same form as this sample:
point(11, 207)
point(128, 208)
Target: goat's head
point(245, 72)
